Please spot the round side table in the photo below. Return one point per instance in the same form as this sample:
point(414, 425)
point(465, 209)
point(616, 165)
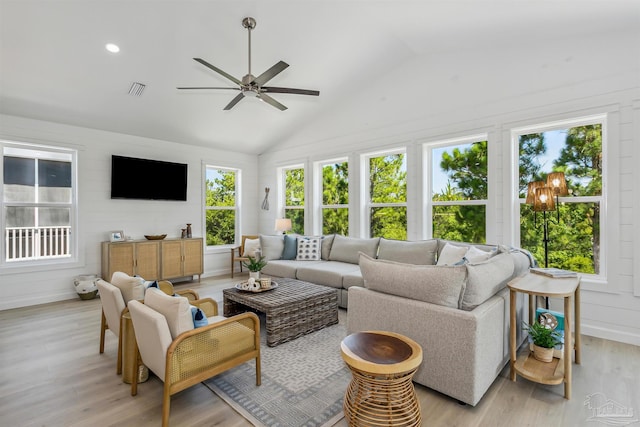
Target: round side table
point(381, 392)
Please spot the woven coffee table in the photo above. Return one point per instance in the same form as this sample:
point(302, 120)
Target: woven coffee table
point(293, 309)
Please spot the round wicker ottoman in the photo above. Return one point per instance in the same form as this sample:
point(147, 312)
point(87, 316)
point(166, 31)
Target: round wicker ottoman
point(381, 392)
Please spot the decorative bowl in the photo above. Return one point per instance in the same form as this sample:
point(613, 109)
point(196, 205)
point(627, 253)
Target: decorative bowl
point(155, 237)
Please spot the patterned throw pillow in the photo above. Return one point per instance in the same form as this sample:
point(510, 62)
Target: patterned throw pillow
point(309, 248)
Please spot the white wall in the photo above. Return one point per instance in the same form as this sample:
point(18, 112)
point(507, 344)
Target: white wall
point(493, 91)
point(98, 214)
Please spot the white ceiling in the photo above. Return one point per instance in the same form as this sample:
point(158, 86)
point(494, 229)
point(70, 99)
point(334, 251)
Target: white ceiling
point(54, 65)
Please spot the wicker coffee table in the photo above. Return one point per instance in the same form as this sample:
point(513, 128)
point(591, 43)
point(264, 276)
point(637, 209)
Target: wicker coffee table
point(293, 309)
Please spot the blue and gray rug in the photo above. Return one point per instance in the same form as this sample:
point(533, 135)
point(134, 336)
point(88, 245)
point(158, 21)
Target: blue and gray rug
point(303, 382)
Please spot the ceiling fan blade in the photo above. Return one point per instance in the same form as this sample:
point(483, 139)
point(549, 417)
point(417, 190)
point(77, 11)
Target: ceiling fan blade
point(218, 70)
point(207, 87)
point(234, 101)
point(272, 89)
point(269, 100)
point(270, 73)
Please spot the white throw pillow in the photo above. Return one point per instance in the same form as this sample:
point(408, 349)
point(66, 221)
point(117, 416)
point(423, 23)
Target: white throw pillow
point(176, 310)
point(309, 249)
point(451, 254)
point(250, 247)
point(474, 255)
point(130, 287)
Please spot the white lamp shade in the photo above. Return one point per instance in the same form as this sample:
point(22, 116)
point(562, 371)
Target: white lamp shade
point(283, 224)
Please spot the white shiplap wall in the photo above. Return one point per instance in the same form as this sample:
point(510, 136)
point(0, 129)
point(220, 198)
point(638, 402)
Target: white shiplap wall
point(98, 214)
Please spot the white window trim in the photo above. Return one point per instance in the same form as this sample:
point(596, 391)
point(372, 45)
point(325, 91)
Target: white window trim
point(365, 189)
point(318, 167)
point(427, 209)
point(49, 152)
point(516, 202)
point(237, 208)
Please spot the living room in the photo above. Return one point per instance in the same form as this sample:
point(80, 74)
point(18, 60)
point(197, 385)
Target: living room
point(415, 85)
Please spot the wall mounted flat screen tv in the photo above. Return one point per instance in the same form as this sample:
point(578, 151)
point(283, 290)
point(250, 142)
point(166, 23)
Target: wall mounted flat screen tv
point(144, 179)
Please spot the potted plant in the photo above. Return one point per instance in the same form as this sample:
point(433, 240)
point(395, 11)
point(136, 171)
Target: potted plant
point(544, 340)
point(254, 265)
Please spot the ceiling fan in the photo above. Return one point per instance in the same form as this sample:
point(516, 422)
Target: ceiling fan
point(251, 86)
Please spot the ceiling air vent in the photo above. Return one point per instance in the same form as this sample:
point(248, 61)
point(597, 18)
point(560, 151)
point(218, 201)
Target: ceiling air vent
point(136, 89)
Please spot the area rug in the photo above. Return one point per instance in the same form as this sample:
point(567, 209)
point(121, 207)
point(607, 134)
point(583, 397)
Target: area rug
point(303, 382)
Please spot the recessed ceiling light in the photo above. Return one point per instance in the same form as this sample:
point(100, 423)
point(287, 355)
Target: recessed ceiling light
point(113, 48)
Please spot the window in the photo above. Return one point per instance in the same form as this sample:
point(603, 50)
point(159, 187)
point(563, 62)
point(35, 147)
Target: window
point(221, 205)
point(387, 201)
point(575, 230)
point(458, 196)
point(335, 198)
point(38, 203)
point(294, 197)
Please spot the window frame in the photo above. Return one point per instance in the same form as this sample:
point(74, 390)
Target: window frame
point(428, 148)
point(366, 204)
point(45, 152)
point(283, 192)
point(236, 208)
point(517, 202)
point(318, 225)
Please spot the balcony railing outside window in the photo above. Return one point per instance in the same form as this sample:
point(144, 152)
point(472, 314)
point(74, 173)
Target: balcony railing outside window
point(37, 243)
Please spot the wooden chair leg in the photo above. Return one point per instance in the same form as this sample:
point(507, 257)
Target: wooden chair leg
point(166, 403)
point(103, 330)
point(258, 371)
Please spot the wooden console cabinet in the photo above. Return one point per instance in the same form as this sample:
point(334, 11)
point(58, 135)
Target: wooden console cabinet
point(154, 259)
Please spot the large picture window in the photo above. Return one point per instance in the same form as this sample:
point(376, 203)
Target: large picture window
point(335, 198)
point(387, 198)
point(575, 229)
point(38, 203)
point(221, 205)
point(458, 190)
point(293, 179)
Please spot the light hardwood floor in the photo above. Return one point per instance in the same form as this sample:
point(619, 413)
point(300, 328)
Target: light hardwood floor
point(51, 374)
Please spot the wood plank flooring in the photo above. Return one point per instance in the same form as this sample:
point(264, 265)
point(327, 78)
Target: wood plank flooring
point(51, 374)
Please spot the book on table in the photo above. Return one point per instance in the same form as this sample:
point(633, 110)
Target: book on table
point(554, 272)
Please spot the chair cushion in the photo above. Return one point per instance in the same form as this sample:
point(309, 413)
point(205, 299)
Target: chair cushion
point(250, 247)
point(112, 304)
point(132, 288)
point(176, 310)
point(346, 249)
point(152, 336)
point(272, 246)
point(421, 252)
point(441, 285)
point(309, 248)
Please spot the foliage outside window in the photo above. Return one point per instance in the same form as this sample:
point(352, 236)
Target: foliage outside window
point(221, 205)
point(38, 203)
point(335, 198)
point(388, 196)
point(577, 151)
point(294, 198)
point(459, 191)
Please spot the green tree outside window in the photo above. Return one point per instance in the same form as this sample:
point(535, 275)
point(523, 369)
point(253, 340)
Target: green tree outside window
point(221, 208)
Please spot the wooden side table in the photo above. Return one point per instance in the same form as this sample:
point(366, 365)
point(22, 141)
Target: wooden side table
point(129, 352)
point(525, 365)
point(381, 392)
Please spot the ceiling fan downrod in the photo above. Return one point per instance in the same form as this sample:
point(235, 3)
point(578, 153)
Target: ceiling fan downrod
point(249, 23)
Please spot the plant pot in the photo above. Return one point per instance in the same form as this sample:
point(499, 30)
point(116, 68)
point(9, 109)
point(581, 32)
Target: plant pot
point(255, 274)
point(543, 354)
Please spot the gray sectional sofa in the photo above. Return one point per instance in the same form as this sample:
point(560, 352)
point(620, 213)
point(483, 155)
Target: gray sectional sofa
point(450, 297)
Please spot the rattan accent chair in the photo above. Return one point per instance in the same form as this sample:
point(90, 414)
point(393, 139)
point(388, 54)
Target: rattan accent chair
point(114, 306)
point(197, 354)
point(237, 253)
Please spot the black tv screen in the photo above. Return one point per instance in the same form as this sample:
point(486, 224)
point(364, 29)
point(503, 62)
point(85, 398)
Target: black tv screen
point(145, 179)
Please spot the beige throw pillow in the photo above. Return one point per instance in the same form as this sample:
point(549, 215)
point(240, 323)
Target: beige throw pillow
point(130, 287)
point(250, 247)
point(441, 285)
point(486, 279)
point(451, 254)
point(176, 310)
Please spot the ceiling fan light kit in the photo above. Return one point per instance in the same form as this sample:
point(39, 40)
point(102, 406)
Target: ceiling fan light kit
point(251, 86)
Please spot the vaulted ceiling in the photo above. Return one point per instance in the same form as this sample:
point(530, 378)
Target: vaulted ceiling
point(54, 65)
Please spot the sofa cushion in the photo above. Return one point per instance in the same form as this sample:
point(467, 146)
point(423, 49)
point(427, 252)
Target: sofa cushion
point(130, 287)
point(451, 255)
point(327, 241)
point(346, 249)
point(272, 246)
point(441, 285)
point(176, 310)
point(309, 248)
point(328, 273)
point(290, 246)
point(353, 278)
point(283, 268)
point(485, 279)
point(421, 252)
